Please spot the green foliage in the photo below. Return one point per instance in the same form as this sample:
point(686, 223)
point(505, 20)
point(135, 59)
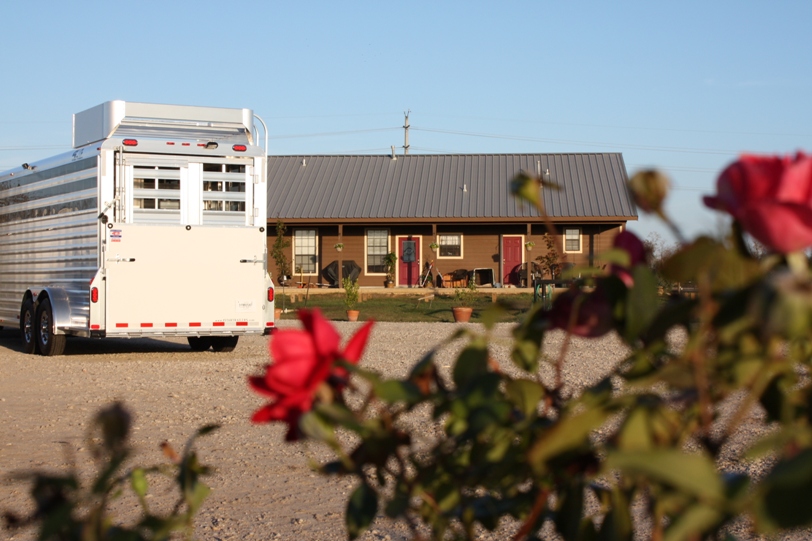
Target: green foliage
point(69, 510)
point(350, 293)
point(389, 262)
point(464, 295)
point(278, 250)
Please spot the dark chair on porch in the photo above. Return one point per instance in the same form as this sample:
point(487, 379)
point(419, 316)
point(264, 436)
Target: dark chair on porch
point(349, 270)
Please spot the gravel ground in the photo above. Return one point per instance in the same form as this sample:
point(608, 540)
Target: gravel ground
point(263, 488)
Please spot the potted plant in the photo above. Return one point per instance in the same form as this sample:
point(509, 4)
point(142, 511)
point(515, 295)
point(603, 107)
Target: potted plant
point(278, 253)
point(351, 298)
point(529, 245)
point(338, 246)
point(434, 246)
point(389, 262)
point(462, 299)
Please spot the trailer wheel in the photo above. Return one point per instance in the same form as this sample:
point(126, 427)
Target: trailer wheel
point(199, 343)
point(49, 343)
point(28, 326)
point(224, 344)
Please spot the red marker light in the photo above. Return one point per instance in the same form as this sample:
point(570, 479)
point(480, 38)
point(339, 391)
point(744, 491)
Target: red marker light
point(270, 294)
point(94, 294)
point(239, 148)
point(130, 142)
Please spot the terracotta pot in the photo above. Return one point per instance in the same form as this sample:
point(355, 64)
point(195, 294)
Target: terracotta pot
point(389, 283)
point(277, 314)
point(352, 315)
point(462, 313)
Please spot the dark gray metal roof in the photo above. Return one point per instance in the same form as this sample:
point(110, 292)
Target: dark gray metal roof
point(419, 187)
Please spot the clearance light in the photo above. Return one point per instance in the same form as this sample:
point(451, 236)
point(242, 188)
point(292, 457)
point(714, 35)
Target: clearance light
point(170, 143)
point(239, 148)
point(94, 294)
point(130, 142)
point(270, 294)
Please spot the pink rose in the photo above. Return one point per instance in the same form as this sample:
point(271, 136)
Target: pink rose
point(303, 360)
point(771, 197)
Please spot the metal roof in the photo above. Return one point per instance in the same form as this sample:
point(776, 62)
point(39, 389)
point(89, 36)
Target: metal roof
point(417, 187)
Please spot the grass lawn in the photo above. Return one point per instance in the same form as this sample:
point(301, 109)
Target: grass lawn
point(407, 308)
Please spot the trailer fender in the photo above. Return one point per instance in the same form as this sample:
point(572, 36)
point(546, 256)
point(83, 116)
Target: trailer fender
point(60, 304)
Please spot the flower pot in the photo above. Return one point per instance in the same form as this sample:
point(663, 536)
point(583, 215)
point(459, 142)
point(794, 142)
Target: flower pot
point(352, 315)
point(462, 313)
point(277, 314)
point(389, 283)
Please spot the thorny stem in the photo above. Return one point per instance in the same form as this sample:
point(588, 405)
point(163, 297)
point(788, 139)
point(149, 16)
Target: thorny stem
point(698, 359)
point(756, 389)
point(535, 513)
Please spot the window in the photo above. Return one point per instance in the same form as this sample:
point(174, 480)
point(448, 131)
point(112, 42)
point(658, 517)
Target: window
point(224, 188)
point(377, 248)
point(304, 251)
point(156, 188)
point(572, 240)
point(450, 245)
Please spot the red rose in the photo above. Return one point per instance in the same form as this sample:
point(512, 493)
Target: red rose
point(586, 314)
point(771, 197)
point(628, 241)
point(302, 361)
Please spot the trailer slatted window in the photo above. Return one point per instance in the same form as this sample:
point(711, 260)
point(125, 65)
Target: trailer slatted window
point(224, 193)
point(156, 193)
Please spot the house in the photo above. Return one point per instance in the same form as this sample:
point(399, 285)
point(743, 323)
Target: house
point(374, 204)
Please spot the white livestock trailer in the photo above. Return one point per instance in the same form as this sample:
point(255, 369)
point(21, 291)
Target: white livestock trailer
point(154, 225)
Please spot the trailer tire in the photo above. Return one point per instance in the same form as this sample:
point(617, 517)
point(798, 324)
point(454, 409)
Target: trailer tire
point(199, 343)
point(224, 344)
point(28, 326)
point(49, 343)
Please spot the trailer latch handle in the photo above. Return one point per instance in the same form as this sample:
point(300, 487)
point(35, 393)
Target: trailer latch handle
point(255, 260)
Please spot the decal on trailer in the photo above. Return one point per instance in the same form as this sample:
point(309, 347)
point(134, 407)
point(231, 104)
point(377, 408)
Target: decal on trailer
point(115, 235)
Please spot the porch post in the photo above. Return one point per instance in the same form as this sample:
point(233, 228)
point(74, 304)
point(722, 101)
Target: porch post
point(340, 261)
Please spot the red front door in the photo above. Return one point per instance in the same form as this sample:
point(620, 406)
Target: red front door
point(408, 261)
point(511, 260)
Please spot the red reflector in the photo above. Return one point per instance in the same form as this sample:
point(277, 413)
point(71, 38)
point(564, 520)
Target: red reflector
point(94, 294)
point(121, 325)
point(146, 325)
point(242, 324)
point(170, 143)
point(269, 323)
point(95, 327)
point(239, 148)
point(270, 294)
point(170, 324)
point(201, 144)
point(219, 324)
point(184, 144)
point(130, 142)
point(194, 324)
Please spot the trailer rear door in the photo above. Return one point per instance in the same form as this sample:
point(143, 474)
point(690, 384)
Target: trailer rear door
point(166, 279)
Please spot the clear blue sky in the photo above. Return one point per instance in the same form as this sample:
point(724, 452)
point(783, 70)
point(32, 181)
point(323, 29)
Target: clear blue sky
point(685, 86)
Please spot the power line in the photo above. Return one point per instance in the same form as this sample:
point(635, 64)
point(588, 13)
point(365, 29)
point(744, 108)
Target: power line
point(588, 143)
point(330, 134)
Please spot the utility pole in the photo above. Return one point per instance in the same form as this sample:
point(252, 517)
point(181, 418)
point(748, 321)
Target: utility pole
point(406, 133)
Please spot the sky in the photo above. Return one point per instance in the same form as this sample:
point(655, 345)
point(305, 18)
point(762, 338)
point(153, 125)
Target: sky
point(682, 86)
